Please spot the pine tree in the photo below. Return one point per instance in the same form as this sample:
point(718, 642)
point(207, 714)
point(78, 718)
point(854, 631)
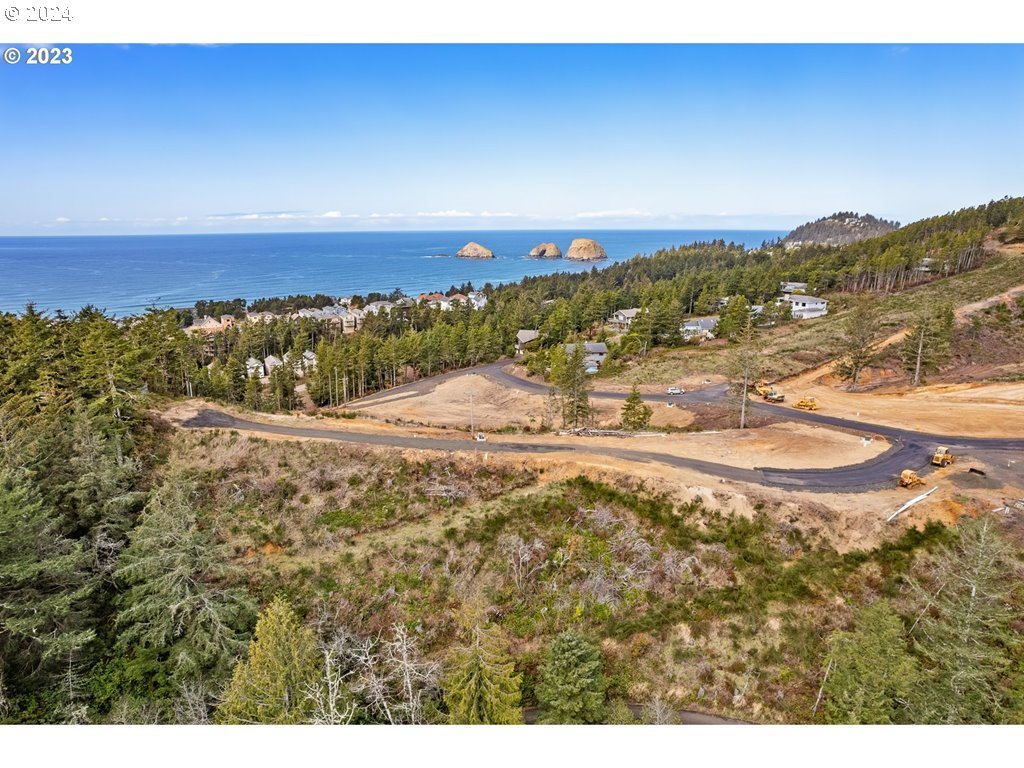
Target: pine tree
point(926, 346)
point(964, 635)
point(571, 683)
point(871, 673)
point(272, 684)
point(734, 318)
point(744, 368)
point(569, 375)
point(481, 686)
point(44, 588)
point(856, 342)
point(254, 394)
point(177, 604)
point(636, 414)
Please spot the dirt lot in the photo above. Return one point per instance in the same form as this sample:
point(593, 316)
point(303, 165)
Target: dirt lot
point(494, 406)
point(970, 410)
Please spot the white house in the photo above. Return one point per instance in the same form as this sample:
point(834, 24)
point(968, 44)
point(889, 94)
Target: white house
point(623, 318)
point(379, 308)
point(701, 328)
point(259, 317)
point(594, 355)
point(253, 367)
point(477, 299)
point(805, 307)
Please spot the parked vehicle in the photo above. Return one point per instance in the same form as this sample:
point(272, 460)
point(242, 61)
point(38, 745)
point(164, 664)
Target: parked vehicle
point(675, 391)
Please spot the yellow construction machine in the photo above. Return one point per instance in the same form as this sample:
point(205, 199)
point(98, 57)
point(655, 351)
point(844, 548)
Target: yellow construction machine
point(909, 479)
point(806, 404)
point(942, 457)
point(767, 392)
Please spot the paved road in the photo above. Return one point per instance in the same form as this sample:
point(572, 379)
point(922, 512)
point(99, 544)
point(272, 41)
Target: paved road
point(880, 471)
point(910, 449)
point(714, 394)
point(685, 716)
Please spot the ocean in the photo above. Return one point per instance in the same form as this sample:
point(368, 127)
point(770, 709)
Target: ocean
point(125, 274)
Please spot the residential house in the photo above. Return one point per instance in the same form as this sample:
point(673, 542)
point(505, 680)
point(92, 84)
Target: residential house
point(792, 287)
point(379, 308)
point(309, 360)
point(353, 321)
point(437, 300)
point(700, 328)
point(253, 367)
point(271, 362)
point(594, 355)
point(623, 318)
point(524, 338)
point(805, 307)
point(477, 299)
point(206, 325)
point(259, 317)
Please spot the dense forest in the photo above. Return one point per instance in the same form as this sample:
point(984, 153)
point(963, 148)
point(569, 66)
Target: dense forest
point(123, 599)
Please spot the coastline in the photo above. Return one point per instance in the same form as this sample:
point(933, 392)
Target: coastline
point(124, 274)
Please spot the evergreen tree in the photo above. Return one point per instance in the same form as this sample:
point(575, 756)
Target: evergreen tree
point(734, 318)
point(44, 588)
point(871, 673)
point(481, 686)
point(964, 635)
point(571, 683)
point(744, 368)
point(926, 346)
point(177, 605)
point(857, 339)
point(254, 394)
point(569, 375)
point(636, 414)
point(272, 684)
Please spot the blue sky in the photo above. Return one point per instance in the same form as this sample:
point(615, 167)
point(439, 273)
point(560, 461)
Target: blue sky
point(144, 139)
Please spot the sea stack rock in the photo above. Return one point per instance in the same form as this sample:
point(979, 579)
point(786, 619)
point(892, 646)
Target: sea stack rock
point(474, 251)
point(546, 251)
point(583, 249)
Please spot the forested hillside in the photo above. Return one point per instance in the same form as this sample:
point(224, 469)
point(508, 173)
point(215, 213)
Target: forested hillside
point(838, 229)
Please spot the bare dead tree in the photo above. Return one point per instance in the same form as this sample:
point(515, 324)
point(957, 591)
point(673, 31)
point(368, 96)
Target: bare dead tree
point(524, 559)
point(333, 702)
point(192, 704)
point(658, 711)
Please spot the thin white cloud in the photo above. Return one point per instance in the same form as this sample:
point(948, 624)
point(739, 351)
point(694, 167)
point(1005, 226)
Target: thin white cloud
point(387, 216)
point(449, 214)
point(492, 214)
point(621, 213)
point(62, 219)
point(338, 215)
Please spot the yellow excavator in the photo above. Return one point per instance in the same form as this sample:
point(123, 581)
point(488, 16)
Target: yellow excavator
point(942, 457)
point(806, 404)
point(767, 392)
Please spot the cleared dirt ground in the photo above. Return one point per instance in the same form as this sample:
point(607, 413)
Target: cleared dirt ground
point(970, 410)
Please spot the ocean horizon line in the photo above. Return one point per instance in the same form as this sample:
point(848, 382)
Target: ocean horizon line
point(390, 232)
